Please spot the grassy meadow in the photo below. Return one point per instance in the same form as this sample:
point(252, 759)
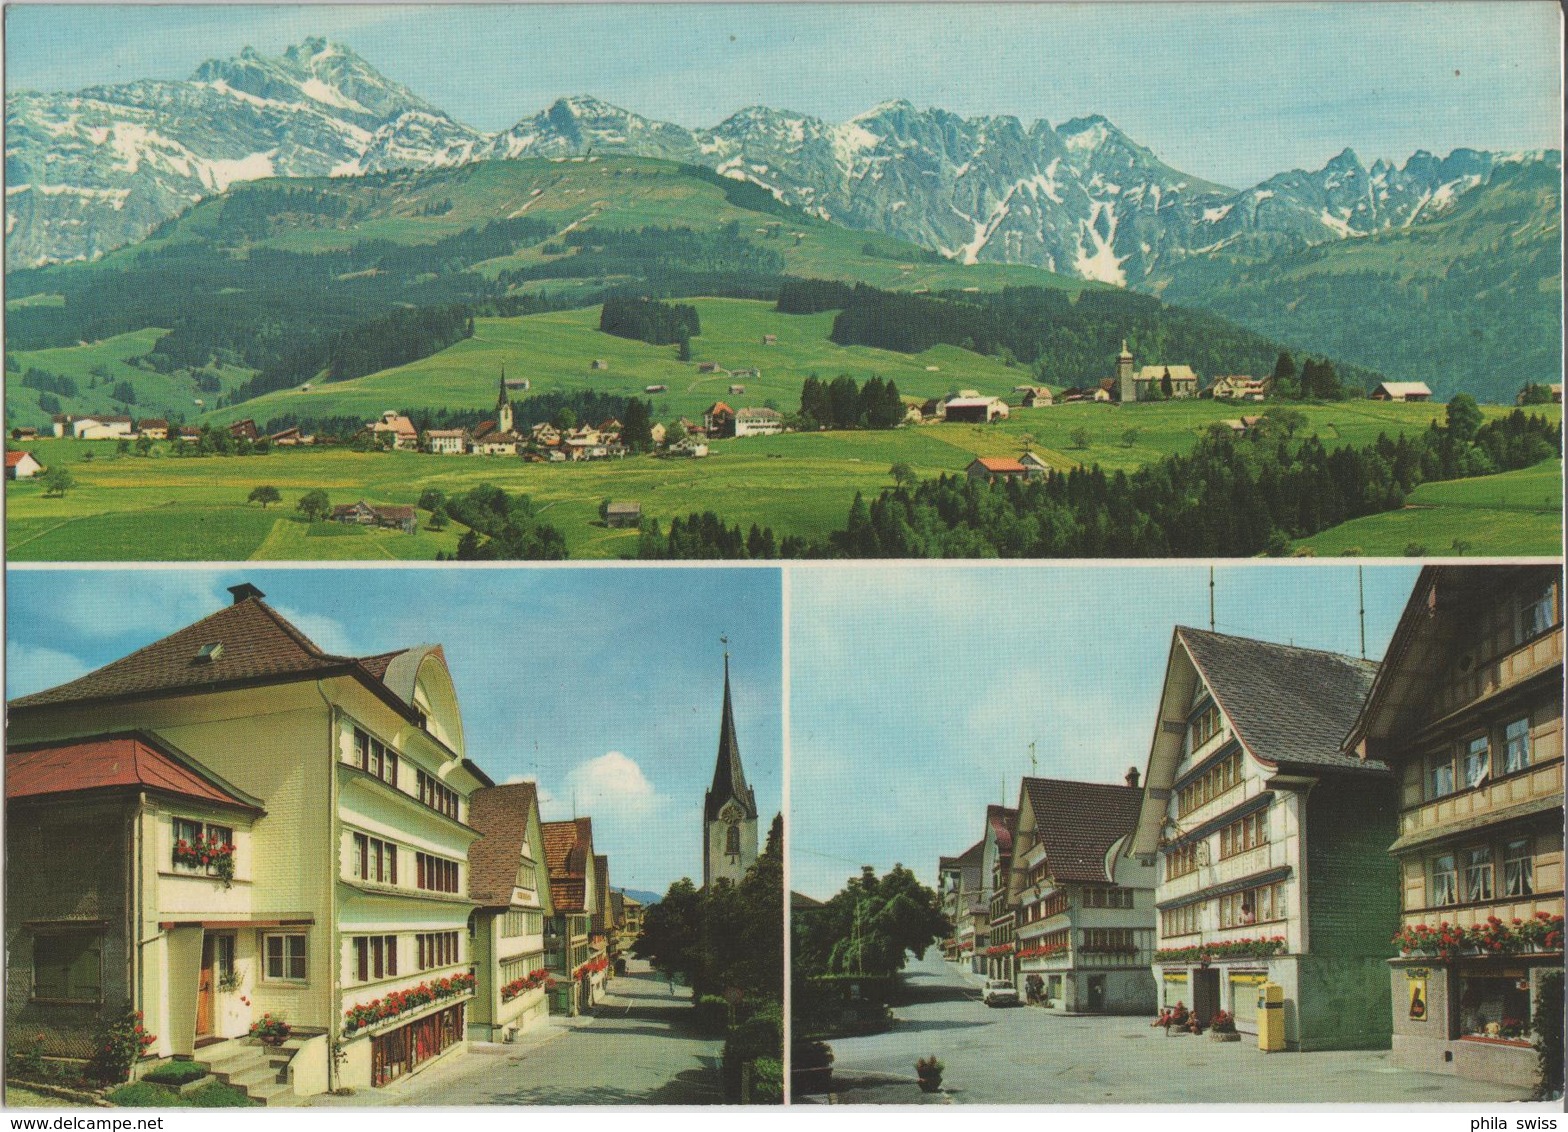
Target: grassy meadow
point(1515, 513)
point(162, 508)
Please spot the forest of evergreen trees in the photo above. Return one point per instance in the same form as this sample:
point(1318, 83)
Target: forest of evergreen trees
point(1067, 340)
point(1230, 497)
point(841, 403)
point(656, 323)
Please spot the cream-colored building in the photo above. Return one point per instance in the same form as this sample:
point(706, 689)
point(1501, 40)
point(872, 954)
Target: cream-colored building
point(349, 866)
point(510, 883)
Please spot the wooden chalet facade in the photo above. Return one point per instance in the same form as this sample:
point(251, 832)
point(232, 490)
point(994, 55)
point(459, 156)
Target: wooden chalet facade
point(1467, 709)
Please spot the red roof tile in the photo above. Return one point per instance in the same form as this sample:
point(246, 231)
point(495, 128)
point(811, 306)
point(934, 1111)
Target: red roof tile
point(12, 459)
point(1000, 464)
point(566, 848)
point(109, 761)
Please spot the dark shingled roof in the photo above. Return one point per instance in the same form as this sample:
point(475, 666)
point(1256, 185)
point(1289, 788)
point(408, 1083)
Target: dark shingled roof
point(500, 813)
point(1078, 822)
point(729, 777)
point(258, 645)
point(1290, 706)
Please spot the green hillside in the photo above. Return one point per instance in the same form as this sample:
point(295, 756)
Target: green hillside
point(1420, 303)
point(554, 351)
point(1515, 513)
point(97, 369)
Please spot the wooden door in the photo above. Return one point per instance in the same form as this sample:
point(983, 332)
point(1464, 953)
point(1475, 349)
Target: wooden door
point(1206, 994)
point(204, 990)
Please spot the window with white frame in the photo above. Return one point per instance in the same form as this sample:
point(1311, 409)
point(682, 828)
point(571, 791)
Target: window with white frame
point(283, 957)
point(1518, 868)
point(1186, 920)
point(1478, 873)
point(1478, 760)
point(375, 957)
point(374, 859)
point(1537, 613)
point(197, 846)
point(1516, 745)
point(1445, 880)
point(375, 757)
point(437, 949)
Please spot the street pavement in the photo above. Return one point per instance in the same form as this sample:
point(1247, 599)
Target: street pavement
point(1028, 1055)
point(636, 1048)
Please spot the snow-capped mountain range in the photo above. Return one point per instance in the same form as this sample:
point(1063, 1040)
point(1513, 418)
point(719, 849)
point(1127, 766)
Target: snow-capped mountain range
point(90, 171)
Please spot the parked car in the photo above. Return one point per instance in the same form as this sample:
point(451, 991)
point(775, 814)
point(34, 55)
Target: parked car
point(999, 992)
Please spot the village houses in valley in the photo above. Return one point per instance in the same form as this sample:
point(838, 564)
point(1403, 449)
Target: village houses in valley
point(278, 832)
point(1468, 711)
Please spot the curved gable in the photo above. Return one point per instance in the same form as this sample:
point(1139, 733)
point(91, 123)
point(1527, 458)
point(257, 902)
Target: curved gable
point(420, 678)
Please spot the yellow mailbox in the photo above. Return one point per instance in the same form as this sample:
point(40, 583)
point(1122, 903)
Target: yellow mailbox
point(1271, 1017)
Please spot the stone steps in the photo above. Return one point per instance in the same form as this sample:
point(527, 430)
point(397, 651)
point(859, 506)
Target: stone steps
point(260, 1071)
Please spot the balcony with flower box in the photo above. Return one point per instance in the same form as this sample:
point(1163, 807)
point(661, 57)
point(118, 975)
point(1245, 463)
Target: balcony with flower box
point(406, 1000)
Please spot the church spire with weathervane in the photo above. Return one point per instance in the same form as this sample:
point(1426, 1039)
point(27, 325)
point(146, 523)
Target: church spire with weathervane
point(729, 810)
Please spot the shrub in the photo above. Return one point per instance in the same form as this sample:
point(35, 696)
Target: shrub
point(767, 1081)
point(176, 1073)
point(1548, 1029)
point(118, 1045)
point(712, 1014)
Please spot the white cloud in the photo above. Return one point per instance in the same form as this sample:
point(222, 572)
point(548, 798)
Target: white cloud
point(32, 669)
point(612, 785)
point(106, 604)
point(327, 632)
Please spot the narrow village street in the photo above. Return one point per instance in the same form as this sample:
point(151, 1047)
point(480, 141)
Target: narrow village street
point(1026, 1055)
point(635, 1048)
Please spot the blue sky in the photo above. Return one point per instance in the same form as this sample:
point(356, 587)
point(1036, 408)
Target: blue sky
point(915, 692)
point(606, 683)
point(1230, 92)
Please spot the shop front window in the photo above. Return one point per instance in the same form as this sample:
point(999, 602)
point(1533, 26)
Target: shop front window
point(1494, 1006)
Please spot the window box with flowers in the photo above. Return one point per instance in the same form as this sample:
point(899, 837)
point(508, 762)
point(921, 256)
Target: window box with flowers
point(592, 967)
point(1543, 932)
point(396, 1004)
point(1260, 948)
point(1045, 950)
point(531, 981)
point(211, 852)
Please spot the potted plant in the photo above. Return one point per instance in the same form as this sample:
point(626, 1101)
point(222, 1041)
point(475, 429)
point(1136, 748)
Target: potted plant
point(271, 1030)
point(1222, 1027)
point(929, 1070)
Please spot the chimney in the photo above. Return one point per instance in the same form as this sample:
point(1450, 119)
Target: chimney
point(1132, 777)
point(245, 590)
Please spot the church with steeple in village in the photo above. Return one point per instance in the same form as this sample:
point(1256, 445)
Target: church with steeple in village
point(729, 809)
